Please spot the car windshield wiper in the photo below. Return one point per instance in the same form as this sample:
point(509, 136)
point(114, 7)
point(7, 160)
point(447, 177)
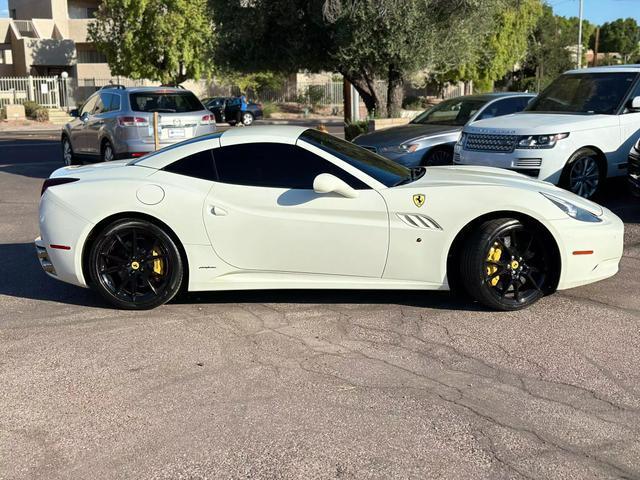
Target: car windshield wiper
point(414, 174)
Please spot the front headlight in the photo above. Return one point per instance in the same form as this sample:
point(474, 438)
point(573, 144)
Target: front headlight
point(540, 141)
point(572, 210)
point(403, 148)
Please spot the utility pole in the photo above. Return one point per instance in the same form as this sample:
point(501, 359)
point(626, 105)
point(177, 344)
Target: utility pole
point(595, 53)
point(580, 35)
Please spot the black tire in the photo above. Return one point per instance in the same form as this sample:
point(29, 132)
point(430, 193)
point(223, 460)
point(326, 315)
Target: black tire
point(438, 156)
point(107, 153)
point(508, 283)
point(587, 183)
point(135, 265)
point(68, 157)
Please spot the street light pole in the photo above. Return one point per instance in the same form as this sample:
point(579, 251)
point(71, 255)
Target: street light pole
point(580, 35)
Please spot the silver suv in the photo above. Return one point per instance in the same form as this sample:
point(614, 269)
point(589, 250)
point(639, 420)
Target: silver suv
point(117, 122)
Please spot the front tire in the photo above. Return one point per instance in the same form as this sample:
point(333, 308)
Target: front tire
point(439, 156)
point(135, 265)
point(583, 174)
point(506, 264)
point(68, 156)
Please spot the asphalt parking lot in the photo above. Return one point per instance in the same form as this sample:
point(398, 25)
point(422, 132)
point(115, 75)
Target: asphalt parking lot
point(308, 384)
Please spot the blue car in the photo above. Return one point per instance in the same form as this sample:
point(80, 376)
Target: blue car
point(430, 137)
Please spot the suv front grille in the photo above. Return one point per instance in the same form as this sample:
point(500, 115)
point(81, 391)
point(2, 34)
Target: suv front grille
point(491, 143)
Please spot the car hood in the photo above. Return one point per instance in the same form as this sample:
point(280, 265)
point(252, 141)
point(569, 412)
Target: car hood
point(403, 134)
point(467, 176)
point(525, 123)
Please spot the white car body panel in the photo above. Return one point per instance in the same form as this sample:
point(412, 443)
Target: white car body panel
point(239, 237)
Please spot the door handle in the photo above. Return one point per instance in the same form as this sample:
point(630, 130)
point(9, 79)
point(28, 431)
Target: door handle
point(217, 211)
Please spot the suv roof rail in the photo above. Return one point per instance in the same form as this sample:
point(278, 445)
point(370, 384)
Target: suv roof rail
point(168, 85)
point(113, 85)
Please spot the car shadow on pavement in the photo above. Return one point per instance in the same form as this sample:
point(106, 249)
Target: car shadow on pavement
point(616, 197)
point(21, 276)
point(34, 161)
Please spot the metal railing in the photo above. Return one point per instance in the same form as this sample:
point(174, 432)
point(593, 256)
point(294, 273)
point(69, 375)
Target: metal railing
point(46, 91)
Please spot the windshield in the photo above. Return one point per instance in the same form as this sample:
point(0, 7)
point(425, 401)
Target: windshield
point(456, 112)
point(167, 102)
point(588, 93)
point(385, 171)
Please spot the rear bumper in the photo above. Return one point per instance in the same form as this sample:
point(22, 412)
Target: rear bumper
point(43, 258)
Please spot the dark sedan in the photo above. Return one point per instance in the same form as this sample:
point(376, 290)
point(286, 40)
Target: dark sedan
point(634, 169)
point(227, 109)
point(430, 137)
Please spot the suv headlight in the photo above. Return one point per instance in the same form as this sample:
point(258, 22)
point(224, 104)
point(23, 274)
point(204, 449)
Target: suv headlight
point(403, 148)
point(540, 141)
point(572, 210)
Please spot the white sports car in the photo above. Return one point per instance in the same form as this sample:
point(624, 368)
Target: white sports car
point(289, 207)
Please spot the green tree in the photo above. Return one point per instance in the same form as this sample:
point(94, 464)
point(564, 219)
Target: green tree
point(621, 36)
point(366, 41)
point(165, 40)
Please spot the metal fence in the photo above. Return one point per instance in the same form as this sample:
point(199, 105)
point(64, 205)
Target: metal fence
point(46, 91)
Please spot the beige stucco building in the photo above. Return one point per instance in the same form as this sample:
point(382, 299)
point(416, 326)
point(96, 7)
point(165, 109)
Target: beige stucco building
point(47, 37)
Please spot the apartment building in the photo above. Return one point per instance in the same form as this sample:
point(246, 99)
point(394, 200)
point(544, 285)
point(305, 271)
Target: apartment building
point(48, 37)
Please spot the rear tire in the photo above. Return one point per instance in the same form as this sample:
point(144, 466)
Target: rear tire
point(506, 265)
point(583, 174)
point(135, 265)
point(247, 118)
point(108, 154)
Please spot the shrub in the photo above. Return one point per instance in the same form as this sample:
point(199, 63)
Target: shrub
point(41, 115)
point(30, 109)
point(269, 108)
point(352, 130)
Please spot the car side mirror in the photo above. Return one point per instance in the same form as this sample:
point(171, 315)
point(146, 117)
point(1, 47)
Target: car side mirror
point(75, 113)
point(327, 183)
point(634, 104)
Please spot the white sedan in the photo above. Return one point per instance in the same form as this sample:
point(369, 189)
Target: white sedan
point(289, 207)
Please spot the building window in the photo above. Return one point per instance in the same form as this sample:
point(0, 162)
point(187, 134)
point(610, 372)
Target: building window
point(79, 9)
point(88, 55)
point(12, 13)
point(6, 56)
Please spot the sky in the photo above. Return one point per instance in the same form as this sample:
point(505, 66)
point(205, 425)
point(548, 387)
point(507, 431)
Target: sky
point(596, 11)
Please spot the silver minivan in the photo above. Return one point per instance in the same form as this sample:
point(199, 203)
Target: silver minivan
point(117, 122)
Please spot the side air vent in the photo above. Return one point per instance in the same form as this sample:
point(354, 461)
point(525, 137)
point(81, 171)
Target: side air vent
point(419, 221)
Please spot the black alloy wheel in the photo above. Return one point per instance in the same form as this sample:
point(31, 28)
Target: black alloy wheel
point(135, 265)
point(507, 265)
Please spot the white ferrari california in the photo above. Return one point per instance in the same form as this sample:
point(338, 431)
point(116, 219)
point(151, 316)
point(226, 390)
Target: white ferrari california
point(289, 207)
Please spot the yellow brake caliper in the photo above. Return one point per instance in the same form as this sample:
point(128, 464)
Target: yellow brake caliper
point(494, 256)
point(157, 263)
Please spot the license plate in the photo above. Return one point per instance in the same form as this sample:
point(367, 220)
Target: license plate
point(176, 132)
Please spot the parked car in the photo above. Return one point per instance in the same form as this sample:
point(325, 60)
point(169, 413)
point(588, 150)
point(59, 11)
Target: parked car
point(288, 207)
point(429, 139)
point(634, 169)
point(575, 134)
point(117, 122)
point(226, 110)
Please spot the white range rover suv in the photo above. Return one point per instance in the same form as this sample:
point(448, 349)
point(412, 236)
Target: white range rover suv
point(575, 134)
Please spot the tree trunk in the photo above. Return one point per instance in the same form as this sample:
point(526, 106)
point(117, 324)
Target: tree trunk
point(367, 90)
point(395, 92)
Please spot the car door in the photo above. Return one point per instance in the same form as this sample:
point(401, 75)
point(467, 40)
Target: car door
point(629, 130)
point(96, 121)
point(78, 126)
point(263, 214)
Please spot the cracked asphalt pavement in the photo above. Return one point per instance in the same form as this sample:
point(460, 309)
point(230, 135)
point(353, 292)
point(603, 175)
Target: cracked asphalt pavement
point(286, 384)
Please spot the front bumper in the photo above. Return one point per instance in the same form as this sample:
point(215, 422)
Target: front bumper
point(544, 164)
point(575, 239)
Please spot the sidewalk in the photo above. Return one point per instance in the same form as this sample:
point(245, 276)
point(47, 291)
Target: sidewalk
point(27, 127)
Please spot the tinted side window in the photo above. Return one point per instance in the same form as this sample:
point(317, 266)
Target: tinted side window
point(275, 165)
point(198, 165)
point(504, 107)
point(102, 104)
point(89, 105)
point(115, 103)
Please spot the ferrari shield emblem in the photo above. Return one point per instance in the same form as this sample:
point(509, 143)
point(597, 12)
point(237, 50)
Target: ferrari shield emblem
point(418, 199)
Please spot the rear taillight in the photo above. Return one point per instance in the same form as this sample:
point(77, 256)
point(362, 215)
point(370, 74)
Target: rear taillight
point(52, 182)
point(133, 122)
point(208, 120)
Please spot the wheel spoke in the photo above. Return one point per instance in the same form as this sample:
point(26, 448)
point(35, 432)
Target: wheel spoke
point(114, 269)
point(114, 258)
point(529, 277)
point(495, 275)
point(151, 286)
point(134, 241)
point(121, 242)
